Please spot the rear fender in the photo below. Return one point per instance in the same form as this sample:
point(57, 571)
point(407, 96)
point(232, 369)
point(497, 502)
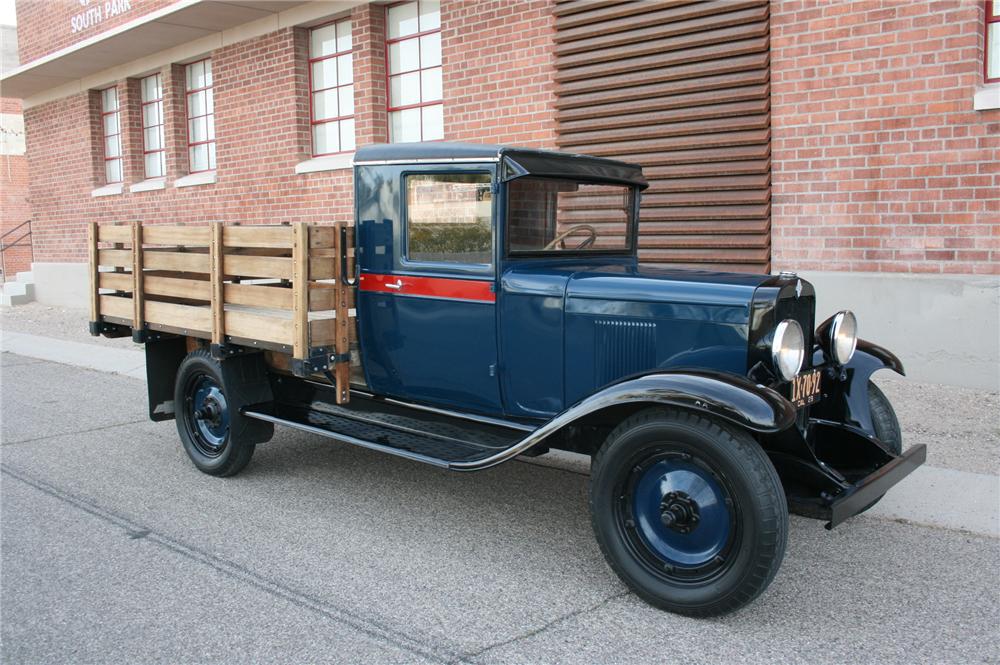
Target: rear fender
point(846, 393)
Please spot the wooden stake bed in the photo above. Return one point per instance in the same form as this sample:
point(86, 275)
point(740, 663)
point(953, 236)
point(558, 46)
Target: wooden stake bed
point(270, 287)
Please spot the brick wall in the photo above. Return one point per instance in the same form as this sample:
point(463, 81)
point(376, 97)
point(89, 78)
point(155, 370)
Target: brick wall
point(499, 72)
point(262, 126)
point(879, 162)
point(14, 206)
point(45, 26)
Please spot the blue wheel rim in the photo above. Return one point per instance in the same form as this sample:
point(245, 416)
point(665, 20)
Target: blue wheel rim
point(695, 486)
point(208, 415)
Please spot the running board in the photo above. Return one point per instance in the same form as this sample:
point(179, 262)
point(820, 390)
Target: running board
point(441, 447)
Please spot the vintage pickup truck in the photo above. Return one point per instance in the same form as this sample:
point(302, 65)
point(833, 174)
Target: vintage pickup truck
point(493, 306)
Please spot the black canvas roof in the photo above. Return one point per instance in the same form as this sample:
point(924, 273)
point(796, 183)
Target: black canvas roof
point(517, 162)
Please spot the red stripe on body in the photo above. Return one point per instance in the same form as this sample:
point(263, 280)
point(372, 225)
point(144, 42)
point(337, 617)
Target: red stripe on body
point(434, 287)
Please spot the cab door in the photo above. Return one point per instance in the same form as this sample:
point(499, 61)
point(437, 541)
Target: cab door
point(427, 289)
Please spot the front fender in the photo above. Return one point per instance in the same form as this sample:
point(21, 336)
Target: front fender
point(846, 394)
point(718, 394)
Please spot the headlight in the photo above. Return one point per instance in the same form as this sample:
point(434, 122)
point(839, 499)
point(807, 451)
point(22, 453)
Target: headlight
point(843, 336)
point(788, 348)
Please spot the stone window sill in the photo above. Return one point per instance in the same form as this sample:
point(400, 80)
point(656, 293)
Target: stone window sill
point(987, 97)
point(328, 163)
point(148, 185)
point(109, 190)
point(203, 178)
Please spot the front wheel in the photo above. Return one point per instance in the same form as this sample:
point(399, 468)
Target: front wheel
point(689, 512)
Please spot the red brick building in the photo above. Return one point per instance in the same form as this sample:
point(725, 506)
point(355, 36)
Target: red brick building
point(857, 142)
point(14, 209)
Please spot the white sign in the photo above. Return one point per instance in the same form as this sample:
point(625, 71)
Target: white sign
point(100, 10)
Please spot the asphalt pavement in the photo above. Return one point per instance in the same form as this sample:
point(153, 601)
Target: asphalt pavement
point(113, 548)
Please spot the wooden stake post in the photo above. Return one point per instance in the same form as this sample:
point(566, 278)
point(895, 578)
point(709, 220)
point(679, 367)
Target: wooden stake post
point(95, 281)
point(342, 344)
point(138, 302)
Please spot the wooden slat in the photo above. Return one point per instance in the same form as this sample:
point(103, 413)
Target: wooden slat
point(194, 289)
point(300, 291)
point(121, 258)
point(257, 236)
point(179, 261)
point(185, 317)
point(321, 237)
point(115, 306)
point(322, 267)
point(113, 233)
point(217, 279)
point(259, 326)
point(323, 297)
point(187, 236)
point(258, 295)
point(117, 281)
point(94, 271)
point(258, 266)
point(137, 277)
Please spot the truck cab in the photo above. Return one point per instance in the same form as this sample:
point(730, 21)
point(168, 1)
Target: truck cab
point(507, 282)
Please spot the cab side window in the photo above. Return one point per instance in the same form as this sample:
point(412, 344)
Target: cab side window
point(448, 218)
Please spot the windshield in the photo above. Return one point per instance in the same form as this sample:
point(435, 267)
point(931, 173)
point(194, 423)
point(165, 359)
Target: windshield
point(554, 215)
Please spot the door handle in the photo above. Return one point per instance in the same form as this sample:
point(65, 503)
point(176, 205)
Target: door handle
point(398, 285)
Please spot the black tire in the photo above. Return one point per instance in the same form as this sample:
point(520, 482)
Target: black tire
point(884, 420)
point(886, 426)
point(743, 489)
point(210, 444)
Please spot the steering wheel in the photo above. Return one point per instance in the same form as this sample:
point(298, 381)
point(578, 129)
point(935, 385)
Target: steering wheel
point(560, 239)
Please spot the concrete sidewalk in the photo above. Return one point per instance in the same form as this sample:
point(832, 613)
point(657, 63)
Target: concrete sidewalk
point(932, 496)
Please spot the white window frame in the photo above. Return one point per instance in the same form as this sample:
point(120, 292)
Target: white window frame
point(428, 109)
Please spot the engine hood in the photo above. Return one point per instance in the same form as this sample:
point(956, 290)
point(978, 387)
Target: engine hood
point(664, 285)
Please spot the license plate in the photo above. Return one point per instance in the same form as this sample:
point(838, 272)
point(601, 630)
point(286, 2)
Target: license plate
point(806, 388)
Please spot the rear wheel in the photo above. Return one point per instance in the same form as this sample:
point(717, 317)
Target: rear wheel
point(205, 417)
point(689, 512)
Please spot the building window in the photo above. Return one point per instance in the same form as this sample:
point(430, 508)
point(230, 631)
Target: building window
point(331, 88)
point(413, 50)
point(201, 116)
point(153, 152)
point(111, 123)
point(992, 51)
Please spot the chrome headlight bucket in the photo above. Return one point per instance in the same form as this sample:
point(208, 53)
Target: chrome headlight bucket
point(788, 349)
point(843, 337)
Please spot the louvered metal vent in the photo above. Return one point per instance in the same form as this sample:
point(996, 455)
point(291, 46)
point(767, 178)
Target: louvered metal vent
point(623, 348)
point(681, 88)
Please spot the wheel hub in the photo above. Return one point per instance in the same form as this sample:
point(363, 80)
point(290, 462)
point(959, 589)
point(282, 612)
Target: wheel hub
point(679, 512)
point(209, 415)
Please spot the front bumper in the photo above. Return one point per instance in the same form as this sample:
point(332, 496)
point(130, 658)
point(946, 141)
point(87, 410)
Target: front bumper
point(859, 496)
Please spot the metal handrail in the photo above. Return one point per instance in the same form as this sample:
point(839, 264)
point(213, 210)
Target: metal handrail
point(4, 246)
